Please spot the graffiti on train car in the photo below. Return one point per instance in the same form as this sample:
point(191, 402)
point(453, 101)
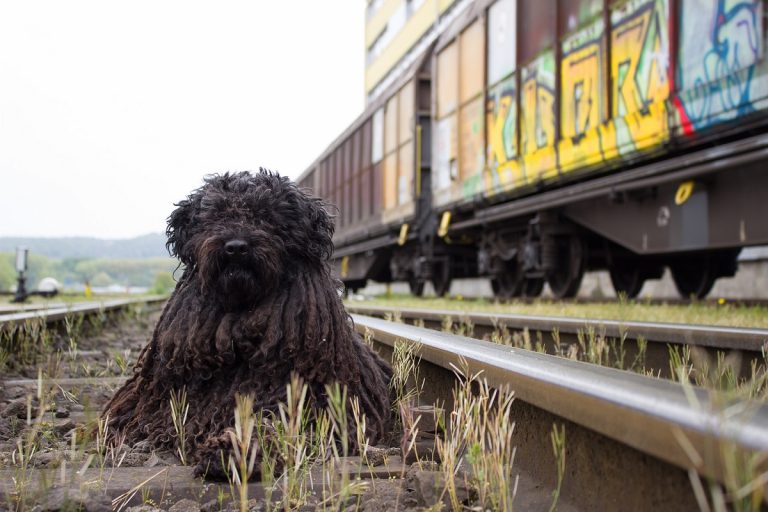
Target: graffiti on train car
point(640, 77)
point(582, 97)
point(639, 72)
point(721, 75)
point(638, 117)
point(537, 118)
point(501, 108)
point(721, 45)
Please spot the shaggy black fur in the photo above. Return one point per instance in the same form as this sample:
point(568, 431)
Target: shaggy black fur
point(256, 303)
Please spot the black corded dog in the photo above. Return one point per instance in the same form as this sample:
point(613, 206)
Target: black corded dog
point(256, 303)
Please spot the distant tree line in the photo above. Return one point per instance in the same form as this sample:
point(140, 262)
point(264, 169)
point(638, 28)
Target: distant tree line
point(146, 246)
point(144, 272)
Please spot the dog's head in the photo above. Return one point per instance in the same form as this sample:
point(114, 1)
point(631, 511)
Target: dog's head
point(249, 233)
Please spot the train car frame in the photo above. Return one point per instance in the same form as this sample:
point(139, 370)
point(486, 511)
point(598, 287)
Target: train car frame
point(628, 136)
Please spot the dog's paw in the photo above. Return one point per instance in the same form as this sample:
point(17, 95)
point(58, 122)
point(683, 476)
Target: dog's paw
point(211, 469)
point(213, 457)
point(217, 460)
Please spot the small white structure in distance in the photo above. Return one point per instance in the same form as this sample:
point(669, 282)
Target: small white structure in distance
point(48, 286)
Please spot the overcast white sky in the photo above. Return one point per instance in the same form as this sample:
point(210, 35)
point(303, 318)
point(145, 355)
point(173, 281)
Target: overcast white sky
point(112, 111)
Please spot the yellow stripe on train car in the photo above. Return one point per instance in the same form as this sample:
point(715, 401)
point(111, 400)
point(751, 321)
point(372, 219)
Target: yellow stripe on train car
point(403, 234)
point(445, 221)
point(684, 192)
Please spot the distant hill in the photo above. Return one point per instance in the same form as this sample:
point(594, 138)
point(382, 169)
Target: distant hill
point(145, 246)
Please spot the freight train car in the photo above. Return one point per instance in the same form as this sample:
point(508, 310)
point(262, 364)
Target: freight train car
point(377, 176)
point(537, 140)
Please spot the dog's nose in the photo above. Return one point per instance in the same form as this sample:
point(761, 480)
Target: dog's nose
point(236, 248)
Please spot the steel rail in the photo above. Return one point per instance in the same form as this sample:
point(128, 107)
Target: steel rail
point(717, 337)
point(651, 415)
point(60, 313)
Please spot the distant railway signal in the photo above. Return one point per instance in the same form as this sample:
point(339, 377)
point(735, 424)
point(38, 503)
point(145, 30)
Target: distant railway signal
point(22, 254)
point(48, 287)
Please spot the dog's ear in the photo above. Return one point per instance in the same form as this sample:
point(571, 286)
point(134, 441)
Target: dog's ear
point(319, 229)
point(179, 228)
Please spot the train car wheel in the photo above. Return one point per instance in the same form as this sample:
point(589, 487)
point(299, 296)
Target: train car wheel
point(352, 287)
point(495, 287)
point(533, 287)
point(565, 278)
point(416, 286)
point(506, 285)
point(441, 280)
point(694, 278)
point(627, 279)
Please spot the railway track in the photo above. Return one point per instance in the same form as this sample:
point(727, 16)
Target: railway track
point(59, 311)
point(556, 334)
point(652, 301)
point(616, 423)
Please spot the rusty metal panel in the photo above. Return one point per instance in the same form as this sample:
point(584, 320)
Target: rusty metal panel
point(365, 157)
point(447, 80)
point(390, 125)
point(472, 61)
point(472, 152)
point(366, 183)
point(338, 181)
point(406, 174)
point(336, 196)
point(356, 193)
point(353, 174)
point(330, 193)
point(377, 142)
point(324, 180)
point(366, 192)
point(356, 146)
point(407, 112)
point(348, 173)
point(309, 180)
point(537, 28)
point(502, 35)
point(314, 182)
point(329, 177)
point(377, 187)
point(357, 169)
point(575, 14)
point(389, 182)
